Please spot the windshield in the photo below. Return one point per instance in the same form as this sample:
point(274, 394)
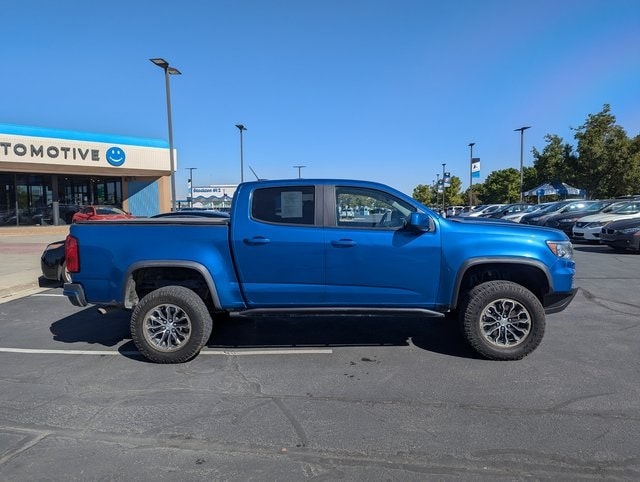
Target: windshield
point(597, 206)
point(108, 210)
point(627, 208)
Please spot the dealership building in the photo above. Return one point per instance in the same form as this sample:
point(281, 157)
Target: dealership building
point(46, 174)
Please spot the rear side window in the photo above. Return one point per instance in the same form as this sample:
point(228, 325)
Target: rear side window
point(284, 205)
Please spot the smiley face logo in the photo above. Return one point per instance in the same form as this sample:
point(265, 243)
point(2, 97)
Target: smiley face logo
point(115, 156)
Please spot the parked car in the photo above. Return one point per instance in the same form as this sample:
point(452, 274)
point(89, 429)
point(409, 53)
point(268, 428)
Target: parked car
point(622, 235)
point(588, 228)
point(539, 217)
point(565, 220)
point(486, 209)
point(507, 209)
point(454, 211)
point(193, 213)
point(516, 217)
point(99, 213)
point(52, 263)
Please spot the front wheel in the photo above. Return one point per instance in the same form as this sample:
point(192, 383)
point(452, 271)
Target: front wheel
point(502, 320)
point(170, 325)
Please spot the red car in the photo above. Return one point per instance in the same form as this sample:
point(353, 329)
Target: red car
point(99, 213)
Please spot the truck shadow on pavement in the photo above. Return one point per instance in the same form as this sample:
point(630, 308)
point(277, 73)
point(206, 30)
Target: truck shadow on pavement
point(436, 335)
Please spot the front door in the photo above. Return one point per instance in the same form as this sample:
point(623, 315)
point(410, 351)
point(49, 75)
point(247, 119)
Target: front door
point(372, 260)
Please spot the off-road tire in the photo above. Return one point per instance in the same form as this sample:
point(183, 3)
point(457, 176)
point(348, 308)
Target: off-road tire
point(502, 320)
point(170, 325)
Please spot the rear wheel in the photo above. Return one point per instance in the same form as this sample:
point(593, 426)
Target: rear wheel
point(170, 325)
point(502, 320)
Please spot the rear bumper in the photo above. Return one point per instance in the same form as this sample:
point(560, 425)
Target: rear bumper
point(557, 302)
point(75, 293)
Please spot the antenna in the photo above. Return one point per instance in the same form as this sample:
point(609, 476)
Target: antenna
point(254, 173)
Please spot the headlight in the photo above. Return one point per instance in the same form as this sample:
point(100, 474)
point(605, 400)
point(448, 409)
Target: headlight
point(594, 225)
point(562, 249)
point(630, 230)
point(567, 220)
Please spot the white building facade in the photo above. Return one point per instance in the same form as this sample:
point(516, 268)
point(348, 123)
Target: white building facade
point(47, 174)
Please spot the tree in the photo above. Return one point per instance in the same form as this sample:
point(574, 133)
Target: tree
point(604, 165)
point(554, 162)
point(453, 196)
point(502, 186)
point(529, 178)
point(424, 194)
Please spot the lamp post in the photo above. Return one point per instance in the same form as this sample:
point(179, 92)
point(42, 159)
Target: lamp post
point(168, 70)
point(299, 168)
point(444, 212)
point(191, 169)
point(471, 144)
point(241, 128)
point(521, 129)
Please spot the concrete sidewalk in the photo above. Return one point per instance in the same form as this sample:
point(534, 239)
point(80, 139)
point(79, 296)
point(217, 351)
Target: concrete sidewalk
point(20, 252)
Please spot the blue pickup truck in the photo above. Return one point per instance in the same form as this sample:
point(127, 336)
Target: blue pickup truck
point(321, 247)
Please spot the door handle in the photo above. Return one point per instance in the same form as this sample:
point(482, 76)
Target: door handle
point(257, 240)
point(343, 243)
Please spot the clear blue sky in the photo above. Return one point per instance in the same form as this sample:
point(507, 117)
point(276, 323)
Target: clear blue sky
point(385, 90)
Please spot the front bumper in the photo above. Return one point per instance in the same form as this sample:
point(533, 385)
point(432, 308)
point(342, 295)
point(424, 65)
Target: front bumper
point(621, 241)
point(587, 234)
point(75, 293)
point(557, 302)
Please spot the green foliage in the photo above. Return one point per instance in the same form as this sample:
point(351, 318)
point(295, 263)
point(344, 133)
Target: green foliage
point(502, 186)
point(556, 161)
point(424, 194)
point(603, 156)
point(453, 196)
point(605, 163)
point(429, 195)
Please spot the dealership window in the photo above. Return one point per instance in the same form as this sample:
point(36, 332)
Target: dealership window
point(28, 199)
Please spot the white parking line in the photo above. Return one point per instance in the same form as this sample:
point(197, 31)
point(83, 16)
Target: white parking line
point(313, 351)
point(49, 294)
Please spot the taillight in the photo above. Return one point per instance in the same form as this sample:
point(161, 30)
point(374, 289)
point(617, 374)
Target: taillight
point(71, 254)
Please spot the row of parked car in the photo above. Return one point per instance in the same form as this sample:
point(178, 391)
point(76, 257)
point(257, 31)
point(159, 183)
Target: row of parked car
point(614, 222)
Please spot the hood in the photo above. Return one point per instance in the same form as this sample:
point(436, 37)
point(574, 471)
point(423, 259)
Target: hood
point(624, 223)
point(604, 218)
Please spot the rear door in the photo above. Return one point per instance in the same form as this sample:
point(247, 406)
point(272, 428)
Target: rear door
point(372, 260)
point(279, 247)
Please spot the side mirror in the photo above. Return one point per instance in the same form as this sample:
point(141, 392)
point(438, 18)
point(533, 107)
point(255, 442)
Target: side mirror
point(419, 222)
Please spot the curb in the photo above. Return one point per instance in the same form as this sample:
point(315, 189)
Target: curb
point(33, 230)
point(20, 292)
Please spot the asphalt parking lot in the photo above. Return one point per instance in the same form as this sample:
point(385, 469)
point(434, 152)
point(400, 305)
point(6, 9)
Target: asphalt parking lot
point(328, 399)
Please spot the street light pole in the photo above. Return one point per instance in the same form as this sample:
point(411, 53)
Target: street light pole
point(471, 144)
point(444, 212)
point(191, 169)
point(168, 70)
point(241, 128)
point(521, 129)
point(299, 168)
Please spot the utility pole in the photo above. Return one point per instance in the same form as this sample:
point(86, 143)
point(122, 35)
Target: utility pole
point(191, 169)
